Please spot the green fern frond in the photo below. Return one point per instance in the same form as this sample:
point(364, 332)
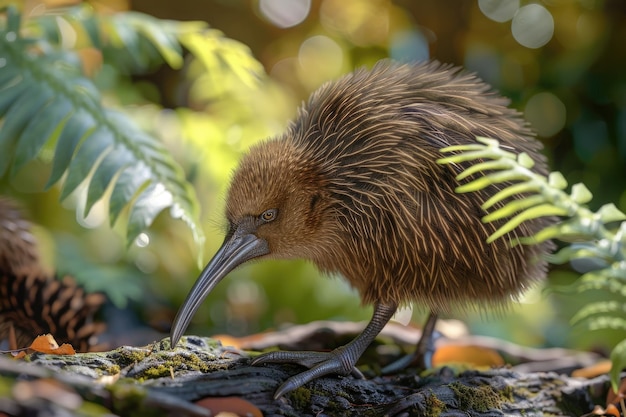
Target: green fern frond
point(600, 307)
point(214, 50)
point(570, 253)
point(533, 212)
point(537, 196)
point(542, 196)
point(606, 322)
point(611, 279)
point(44, 99)
point(136, 42)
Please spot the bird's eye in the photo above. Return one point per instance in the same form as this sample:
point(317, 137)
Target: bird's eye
point(269, 215)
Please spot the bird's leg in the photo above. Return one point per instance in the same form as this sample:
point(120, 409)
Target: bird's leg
point(339, 361)
point(422, 357)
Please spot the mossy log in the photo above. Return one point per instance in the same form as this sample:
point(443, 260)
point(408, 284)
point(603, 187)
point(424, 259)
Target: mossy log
point(156, 380)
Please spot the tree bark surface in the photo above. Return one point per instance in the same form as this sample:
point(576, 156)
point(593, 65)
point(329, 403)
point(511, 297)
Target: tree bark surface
point(200, 377)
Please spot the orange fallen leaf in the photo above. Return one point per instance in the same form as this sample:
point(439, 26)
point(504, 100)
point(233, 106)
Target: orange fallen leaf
point(594, 370)
point(471, 355)
point(611, 410)
point(235, 405)
point(227, 340)
point(44, 342)
point(47, 344)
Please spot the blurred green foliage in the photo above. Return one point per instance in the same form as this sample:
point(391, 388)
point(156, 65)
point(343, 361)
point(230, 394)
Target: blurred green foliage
point(47, 103)
point(570, 83)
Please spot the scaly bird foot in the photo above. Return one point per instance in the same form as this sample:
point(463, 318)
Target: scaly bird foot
point(339, 361)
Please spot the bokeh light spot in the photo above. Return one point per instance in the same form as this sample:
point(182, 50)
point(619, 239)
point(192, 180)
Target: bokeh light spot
point(285, 13)
point(409, 46)
point(499, 10)
point(364, 23)
point(546, 113)
point(142, 240)
point(321, 59)
point(532, 26)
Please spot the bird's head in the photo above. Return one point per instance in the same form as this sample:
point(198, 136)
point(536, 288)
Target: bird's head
point(277, 206)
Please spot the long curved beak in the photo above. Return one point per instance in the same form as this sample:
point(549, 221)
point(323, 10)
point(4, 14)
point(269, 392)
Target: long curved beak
point(237, 248)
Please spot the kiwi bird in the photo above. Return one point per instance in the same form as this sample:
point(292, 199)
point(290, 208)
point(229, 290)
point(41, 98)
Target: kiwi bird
point(354, 186)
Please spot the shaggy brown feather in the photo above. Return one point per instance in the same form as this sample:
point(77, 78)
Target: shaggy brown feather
point(358, 189)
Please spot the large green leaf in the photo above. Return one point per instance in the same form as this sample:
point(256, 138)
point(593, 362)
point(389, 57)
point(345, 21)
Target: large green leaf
point(79, 125)
point(45, 126)
point(45, 99)
point(18, 114)
point(113, 161)
point(130, 181)
point(95, 147)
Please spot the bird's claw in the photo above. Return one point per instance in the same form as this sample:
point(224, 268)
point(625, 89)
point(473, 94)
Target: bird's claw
point(337, 361)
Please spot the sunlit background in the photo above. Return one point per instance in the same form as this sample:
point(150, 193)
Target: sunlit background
point(561, 62)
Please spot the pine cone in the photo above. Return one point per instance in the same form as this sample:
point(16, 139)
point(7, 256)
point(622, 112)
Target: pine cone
point(34, 303)
point(18, 246)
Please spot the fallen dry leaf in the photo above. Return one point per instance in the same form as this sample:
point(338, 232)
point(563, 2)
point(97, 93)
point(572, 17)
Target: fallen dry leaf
point(594, 370)
point(611, 410)
point(227, 340)
point(44, 342)
point(47, 344)
point(471, 355)
point(18, 355)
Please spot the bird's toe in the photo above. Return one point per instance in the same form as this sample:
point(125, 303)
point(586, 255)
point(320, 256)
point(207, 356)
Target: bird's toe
point(336, 362)
point(308, 359)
